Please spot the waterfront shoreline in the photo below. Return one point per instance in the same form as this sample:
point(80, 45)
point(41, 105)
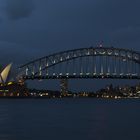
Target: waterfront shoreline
point(29, 97)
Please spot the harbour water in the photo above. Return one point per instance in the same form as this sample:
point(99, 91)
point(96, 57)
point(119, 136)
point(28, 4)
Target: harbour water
point(69, 119)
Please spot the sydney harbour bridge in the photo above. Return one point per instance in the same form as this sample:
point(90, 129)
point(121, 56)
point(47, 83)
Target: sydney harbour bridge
point(98, 62)
point(84, 63)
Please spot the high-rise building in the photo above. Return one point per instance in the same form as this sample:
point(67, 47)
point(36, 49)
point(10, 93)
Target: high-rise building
point(64, 87)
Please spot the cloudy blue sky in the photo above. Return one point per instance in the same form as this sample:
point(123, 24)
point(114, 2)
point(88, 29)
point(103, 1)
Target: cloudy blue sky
point(33, 28)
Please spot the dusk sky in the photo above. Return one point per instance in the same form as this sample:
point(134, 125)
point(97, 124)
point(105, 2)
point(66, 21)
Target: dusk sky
point(34, 28)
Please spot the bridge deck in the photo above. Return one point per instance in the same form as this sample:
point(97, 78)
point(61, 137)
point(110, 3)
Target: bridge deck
point(82, 77)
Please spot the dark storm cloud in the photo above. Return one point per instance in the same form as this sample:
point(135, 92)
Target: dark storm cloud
point(17, 9)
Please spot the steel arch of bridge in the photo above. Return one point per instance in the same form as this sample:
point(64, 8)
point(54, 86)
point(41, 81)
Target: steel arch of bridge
point(125, 64)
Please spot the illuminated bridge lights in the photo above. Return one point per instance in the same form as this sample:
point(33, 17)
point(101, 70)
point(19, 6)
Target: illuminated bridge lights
point(68, 57)
point(102, 53)
point(54, 61)
point(81, 73)
point(85, 63)
point(114, 74)
point(83, 76)
point(88, 73)
point(109, 53)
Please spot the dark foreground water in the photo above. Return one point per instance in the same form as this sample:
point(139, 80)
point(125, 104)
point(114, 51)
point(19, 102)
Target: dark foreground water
point(69, 119)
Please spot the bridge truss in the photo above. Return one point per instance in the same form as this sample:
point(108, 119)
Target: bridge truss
point(99, 62)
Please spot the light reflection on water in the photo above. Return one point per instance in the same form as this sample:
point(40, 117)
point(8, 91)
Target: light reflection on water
point(84, 119)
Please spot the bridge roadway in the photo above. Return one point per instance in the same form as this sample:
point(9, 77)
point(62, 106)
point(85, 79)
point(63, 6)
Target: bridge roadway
point(88, 76)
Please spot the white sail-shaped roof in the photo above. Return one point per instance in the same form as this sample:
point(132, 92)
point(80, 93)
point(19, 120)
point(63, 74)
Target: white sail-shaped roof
point(4, 74)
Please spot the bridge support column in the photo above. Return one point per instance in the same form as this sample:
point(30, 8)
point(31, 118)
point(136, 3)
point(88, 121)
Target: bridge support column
point(64, 87)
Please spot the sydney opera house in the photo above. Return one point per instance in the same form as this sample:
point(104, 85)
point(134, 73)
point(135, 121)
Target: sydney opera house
point(4, 74)
point(10, 87)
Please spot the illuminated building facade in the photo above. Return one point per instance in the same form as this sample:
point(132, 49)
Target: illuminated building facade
point(4, 74)
point(10, 88)
point(64, 87)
